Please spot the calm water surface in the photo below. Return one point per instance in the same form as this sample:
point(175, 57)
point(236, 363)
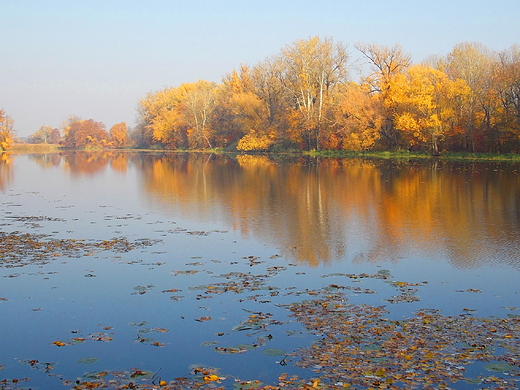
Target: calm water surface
point(453, 227)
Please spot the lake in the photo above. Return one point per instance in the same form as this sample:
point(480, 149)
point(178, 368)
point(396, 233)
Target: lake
point(156, 270)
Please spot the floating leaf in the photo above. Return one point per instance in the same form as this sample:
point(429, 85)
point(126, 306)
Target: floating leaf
point(209, 343)
point(248, 385)
point(245, 346)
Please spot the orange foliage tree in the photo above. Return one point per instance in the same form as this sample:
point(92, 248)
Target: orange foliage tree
point(118, 135)
point(85, 134)
point(359, 118)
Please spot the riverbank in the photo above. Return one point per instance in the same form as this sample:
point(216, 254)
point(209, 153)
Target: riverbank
point(33, 148)
point(400, 154)
point(451, 156)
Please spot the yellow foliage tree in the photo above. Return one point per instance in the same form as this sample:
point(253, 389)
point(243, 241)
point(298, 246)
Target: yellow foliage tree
point(161, 115)
point(425, 101)
point(252, 141)
point(259, 101)
point(385, 62)
point(6, 131)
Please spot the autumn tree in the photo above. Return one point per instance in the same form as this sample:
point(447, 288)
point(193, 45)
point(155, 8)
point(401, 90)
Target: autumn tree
point(313, 70)
point(385, 62)
point(118, 135)
point(472, 62)
point(425, 100)
point(85, 134)
point(55, 137)
point(359, 119)
point(199, 104)
point(41, 136)
point(259, 103)
point(161, 117)
point(6, 131)
point(506, 84)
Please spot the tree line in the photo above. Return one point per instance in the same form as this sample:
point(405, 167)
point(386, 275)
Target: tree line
point(305, 98)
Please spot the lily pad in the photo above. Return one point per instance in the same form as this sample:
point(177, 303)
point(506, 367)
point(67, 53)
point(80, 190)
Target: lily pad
point(88, 360)
point(274, 352)
point(498, 367)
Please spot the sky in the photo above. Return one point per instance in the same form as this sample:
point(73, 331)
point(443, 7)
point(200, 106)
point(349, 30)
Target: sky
point(97, 59)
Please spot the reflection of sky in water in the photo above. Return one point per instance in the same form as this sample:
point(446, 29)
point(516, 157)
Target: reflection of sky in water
point(352, 232)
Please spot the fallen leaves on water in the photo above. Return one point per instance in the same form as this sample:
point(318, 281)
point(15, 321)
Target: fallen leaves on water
point(358, 345)
point(19, 249)
point(140, 290)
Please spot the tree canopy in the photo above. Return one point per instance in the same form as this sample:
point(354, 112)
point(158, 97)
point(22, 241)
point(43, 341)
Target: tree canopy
point(304, 97)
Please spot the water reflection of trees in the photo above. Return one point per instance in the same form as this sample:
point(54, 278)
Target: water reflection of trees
point(46, 160)
point(319, 211)
point(364, 210)
point(83, 162)
point(6, 170)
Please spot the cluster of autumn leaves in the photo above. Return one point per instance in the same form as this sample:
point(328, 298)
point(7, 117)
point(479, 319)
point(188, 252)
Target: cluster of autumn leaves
point(304, 98)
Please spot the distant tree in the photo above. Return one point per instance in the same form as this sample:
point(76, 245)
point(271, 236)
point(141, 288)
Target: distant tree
point(119, 134)
point(85, 133)
point(6, 131)
point(55, 136)
point(41, 136)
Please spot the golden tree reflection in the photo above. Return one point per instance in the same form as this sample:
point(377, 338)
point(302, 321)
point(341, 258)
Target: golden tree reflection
point(46, 160)
point(318, 212)
point(373, 211)
point(6, 170)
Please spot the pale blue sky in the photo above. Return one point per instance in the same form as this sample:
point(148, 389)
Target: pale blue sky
point(96, 59)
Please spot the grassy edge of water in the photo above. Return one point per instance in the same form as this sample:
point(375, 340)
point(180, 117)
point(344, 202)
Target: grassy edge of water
point(397, 155)
point(449, 156)
point(34, 148)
